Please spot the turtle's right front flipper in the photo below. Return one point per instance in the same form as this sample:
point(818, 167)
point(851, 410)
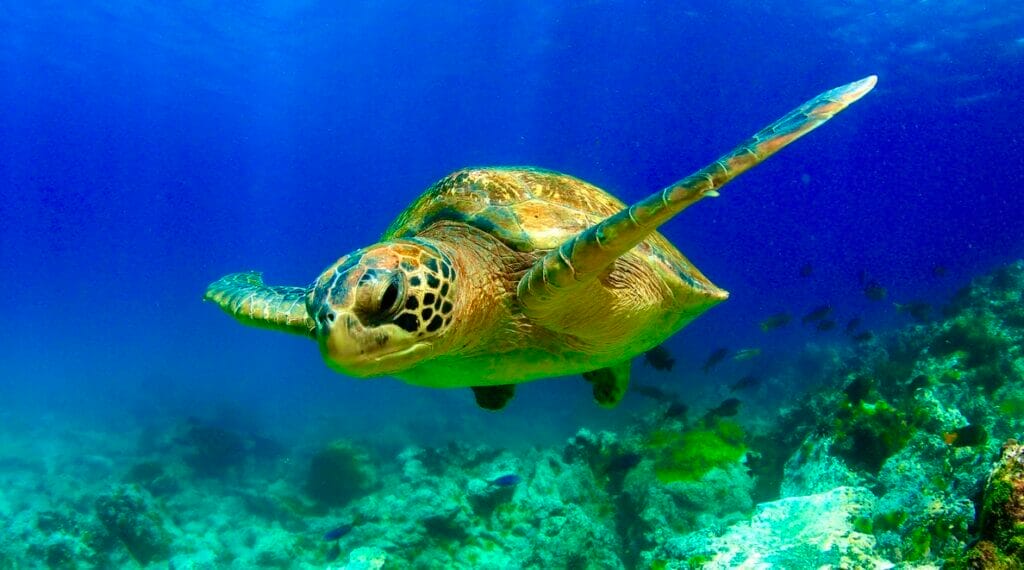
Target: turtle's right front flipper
point(245, 297)
point(561, 272)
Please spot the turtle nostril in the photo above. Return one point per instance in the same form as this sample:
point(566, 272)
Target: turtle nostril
point(326, 316)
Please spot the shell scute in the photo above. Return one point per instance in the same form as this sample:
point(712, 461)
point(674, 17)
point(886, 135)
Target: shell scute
point(526, 208)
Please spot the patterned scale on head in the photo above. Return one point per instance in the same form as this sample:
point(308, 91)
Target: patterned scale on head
point(379, 308)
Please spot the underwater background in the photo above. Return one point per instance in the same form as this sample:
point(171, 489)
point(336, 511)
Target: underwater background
point(147, 149)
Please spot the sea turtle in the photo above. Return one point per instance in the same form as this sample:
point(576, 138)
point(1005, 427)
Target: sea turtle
point(497, 276)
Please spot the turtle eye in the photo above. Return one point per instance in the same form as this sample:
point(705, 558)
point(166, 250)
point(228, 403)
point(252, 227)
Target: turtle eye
point(389, 299)
point(377, 300)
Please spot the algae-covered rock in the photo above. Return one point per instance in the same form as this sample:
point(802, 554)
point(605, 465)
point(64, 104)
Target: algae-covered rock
point(689, 454)
point(129, 516)
point(925, 512)
point(1002, 518)
point(340, 473)
point(212, 451)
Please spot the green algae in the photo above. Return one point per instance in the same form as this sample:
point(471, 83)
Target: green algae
point(1012, 406)
point(890, 521)
point(920, 542)
point(869, 433)
point(698, 561)
point(863, 525)
point(689, 455)
point(974, 339)
point(951, 376)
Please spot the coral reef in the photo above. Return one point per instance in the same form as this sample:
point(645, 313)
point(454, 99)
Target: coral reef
point(890, 457)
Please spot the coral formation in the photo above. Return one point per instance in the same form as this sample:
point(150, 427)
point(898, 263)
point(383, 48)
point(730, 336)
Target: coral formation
point(339, 473)
point(133, 521)
point(830, 529)
point(886, 460)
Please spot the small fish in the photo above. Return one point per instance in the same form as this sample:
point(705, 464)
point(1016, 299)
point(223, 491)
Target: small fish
point(939, 271)
point(660, 358)
point(652, 392)
point(336, 533)
point(825, 325)
point(874, 291)
point(918, 310)
point(817, 314)
point(333, 553)
point(863, 336)
point(714, 358)
point(624, 463)
point(749, 381)
point(728, 408)
point(807, 270)
point(775, 321)
point(919, 381)
point(966, 436)
point(746, 354)
point(858, 389)
point(506, 480)
point(676, 409)
point(852, 325)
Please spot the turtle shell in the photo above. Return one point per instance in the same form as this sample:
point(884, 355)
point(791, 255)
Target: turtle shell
point(527, 209)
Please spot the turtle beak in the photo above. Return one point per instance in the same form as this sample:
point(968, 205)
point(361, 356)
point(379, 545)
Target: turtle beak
point(337, 339)
point(352, 349)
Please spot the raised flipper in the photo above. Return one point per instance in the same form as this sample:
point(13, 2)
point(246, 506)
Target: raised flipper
point(494, 397)
point(590, 252)
point(245, 297)
point(609, 384)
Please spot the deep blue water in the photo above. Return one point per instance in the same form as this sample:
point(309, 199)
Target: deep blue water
point(146, 150)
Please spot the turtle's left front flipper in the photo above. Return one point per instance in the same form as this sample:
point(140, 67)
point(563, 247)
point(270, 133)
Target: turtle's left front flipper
point(587, 254)
point(245, 297)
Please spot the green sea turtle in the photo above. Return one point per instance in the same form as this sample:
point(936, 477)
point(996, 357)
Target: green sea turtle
point(497, 276)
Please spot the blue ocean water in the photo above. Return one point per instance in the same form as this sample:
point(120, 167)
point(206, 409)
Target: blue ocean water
point(147, 149)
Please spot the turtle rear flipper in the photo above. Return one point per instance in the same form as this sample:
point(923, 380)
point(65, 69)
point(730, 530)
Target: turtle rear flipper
point(609, 383)
point(245, 297)
point(560, 272)
point(494, 397)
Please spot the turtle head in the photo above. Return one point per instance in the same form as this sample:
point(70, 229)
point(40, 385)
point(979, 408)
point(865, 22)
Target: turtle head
point(382, 309)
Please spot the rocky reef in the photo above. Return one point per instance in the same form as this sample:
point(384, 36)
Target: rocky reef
point(905, 455)
point(1001, 525)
